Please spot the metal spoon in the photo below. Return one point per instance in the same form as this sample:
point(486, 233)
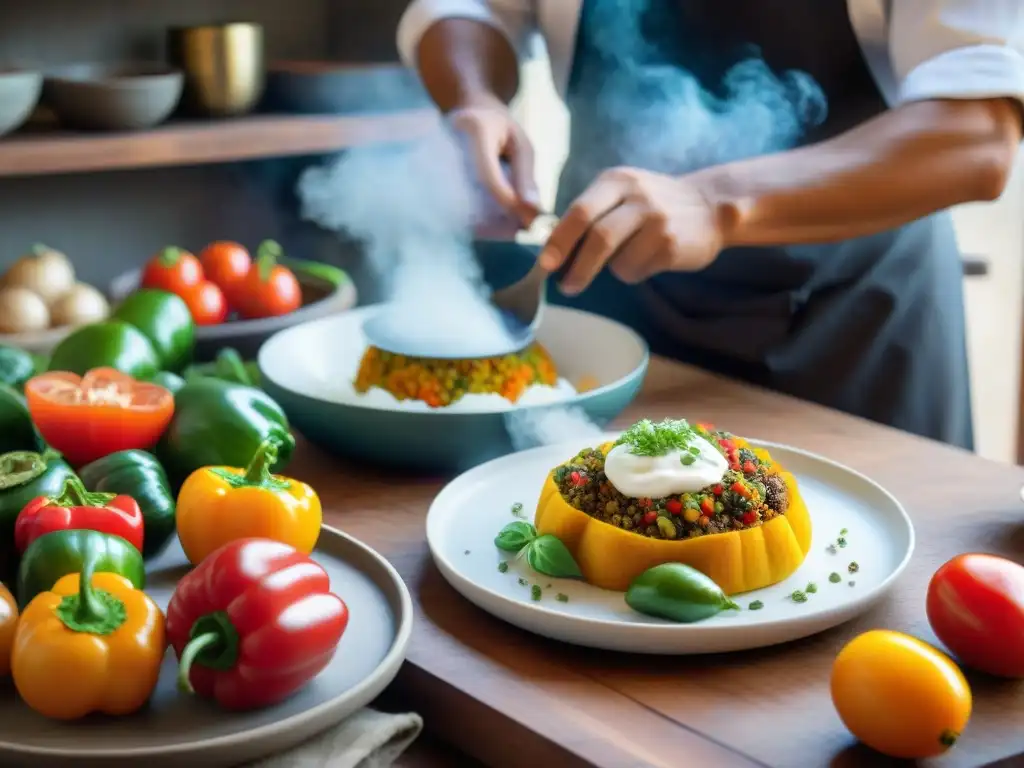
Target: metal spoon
point(520, 305)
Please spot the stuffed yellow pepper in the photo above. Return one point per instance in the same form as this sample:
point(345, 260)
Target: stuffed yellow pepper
point(93, 643)
point(217, 505)
point(671, 492)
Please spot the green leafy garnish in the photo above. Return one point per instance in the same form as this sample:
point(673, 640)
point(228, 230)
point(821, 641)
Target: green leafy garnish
point(502, 566)
point(535, 592)
point(853, 567)
point(757, 605)
point(548, 555)
point(646, 438)
point(798, 597)
point(834, 577)
point(811, 588)
point(562, 598)
point(517, 509)
point(514, 536)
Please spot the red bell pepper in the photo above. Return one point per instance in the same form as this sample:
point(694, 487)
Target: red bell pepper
point(105, 411)
point(79, 509)
point(253, 623)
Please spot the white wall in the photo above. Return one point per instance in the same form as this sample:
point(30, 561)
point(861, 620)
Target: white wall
point(995, 231)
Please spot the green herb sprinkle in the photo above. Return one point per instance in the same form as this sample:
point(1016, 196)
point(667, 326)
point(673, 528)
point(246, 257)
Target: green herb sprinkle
point(503, 566)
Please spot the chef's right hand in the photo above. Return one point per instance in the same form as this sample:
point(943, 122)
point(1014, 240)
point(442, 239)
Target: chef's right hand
point(494, 136)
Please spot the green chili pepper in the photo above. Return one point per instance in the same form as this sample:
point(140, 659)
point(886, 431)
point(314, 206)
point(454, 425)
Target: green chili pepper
point(17, 432)
point(170, 381)
point(137, 474)
point(113, 344)
point(16, 366)
point(54, 555)
point(218, 423)
point(24, 476)
point(166, 321)
point(228, 366)
point(677, 592)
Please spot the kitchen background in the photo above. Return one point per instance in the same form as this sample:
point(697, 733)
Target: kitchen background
point(110, 222)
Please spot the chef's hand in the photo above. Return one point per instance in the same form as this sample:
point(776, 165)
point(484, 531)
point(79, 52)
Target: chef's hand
point(495, 136)
point(637, 223)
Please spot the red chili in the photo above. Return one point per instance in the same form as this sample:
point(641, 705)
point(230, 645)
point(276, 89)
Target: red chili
point(650, 516)
point(253, 623)
point(749, 518)
point(674, 506)
point(718, 490)
point(578, 478)
point(749, 468)
point(707, 506)
point(644, 502)
point(728, 444)
point(77, 508)
point(741, 489)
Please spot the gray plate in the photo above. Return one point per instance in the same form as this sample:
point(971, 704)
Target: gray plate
point(176, 729)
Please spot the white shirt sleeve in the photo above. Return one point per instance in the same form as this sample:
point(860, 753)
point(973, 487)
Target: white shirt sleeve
point(957, 49)
point(515, 19)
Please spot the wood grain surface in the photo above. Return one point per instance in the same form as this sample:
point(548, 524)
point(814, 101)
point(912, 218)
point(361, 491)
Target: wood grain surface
point(510, 699)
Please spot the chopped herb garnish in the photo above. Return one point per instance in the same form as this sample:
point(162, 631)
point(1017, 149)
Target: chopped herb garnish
point(835, 578)
point(798, 597)
point(535, 592)
point(843, 532)
point(523, 582)
point(811, 588)
point(503, 566)
point(853, 567)
point(757, 605)
point(831, 548)
point(687, 459)
point(841, 541)
point(562, 598)
point(517, 509)
point(645, 438)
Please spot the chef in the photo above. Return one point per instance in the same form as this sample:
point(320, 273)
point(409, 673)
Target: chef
point(758, 187)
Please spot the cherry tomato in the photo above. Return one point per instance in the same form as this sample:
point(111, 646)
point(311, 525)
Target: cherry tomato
point(900, 696)
point(174, 270)
point(975, 605)
point(207, 304)
point(225, 264)
point(92, 416)
point(269, 289)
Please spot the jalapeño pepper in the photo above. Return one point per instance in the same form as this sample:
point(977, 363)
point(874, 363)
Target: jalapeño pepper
point(677, 592)
point(137, 474)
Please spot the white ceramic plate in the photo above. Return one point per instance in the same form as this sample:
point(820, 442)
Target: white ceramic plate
point(469, 512)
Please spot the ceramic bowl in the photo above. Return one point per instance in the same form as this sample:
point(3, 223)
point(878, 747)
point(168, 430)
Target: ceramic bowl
point(335, 88)
point(308, 369)
point(113, 97)
point(19, 94)
point(325, 293)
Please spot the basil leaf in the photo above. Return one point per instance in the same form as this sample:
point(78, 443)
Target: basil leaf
point(548, 555)
point(515, 536)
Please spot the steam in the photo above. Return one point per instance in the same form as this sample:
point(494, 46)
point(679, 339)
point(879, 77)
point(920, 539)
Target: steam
point(544, 426)
point(413, 206)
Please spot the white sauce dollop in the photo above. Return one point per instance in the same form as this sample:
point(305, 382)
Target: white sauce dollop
point(655, 477)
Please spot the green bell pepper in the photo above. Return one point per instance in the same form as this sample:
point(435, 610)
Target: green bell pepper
point(221, 423)
point(169, 380)
point(137, 474)
point(166, 321)
point(228, 366)
point(677, 592)
point(25, 475)
point(16, 366)
point(54, 555)
point(17, 432)
point(112, 343)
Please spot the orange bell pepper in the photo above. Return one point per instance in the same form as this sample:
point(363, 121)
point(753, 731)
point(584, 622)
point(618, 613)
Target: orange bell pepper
point(93, 643)
point(8, 625)
point(738, 561)
point(217, 505)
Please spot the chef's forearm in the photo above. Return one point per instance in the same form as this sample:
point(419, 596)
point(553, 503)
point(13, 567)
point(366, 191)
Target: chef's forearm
point(463, 62)
point(905, 164)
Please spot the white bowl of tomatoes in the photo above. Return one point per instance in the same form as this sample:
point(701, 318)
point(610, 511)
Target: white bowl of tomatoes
point(237, 299)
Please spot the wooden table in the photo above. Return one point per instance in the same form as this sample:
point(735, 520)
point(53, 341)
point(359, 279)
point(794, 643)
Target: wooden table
point(509, 699)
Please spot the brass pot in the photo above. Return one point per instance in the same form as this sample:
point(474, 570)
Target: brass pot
point(223, 65)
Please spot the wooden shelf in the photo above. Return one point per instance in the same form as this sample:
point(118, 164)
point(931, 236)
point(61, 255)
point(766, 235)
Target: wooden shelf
point(199, 143)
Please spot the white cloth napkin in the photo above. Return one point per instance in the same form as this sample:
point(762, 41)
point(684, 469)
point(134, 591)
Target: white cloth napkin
point(367, 739)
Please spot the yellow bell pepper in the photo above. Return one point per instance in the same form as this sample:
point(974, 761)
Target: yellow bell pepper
point(93, 643)
point(738, 561)
point(217, 505)
point(8, 625)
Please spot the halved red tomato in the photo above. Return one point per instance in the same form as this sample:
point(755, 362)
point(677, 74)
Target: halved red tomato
point(976, 608)
point(92, 416)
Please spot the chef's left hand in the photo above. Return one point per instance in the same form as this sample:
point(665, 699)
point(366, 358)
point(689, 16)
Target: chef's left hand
point(637, 223)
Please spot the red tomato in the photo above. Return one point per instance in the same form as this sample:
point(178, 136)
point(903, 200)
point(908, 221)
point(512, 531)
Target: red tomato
point(269, 289)
point(174, 270)
point(207, 304)
point(225, 264)
point(89, 417)
point(976, 607)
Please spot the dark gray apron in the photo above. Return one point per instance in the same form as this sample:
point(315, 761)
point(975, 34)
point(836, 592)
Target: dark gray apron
point(872, 326)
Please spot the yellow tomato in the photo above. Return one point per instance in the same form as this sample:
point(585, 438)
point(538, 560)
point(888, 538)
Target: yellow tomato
point(900, 696)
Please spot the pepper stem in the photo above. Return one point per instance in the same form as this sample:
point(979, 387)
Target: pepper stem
point(92, 611)
point(189, 654)
point(267, 254)
point(74, 494)
point(258, 471)
point(40, 250)
point(20, 467)
point(169, 256)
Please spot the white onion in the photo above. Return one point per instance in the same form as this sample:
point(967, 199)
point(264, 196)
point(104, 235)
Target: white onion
point(22, 310)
